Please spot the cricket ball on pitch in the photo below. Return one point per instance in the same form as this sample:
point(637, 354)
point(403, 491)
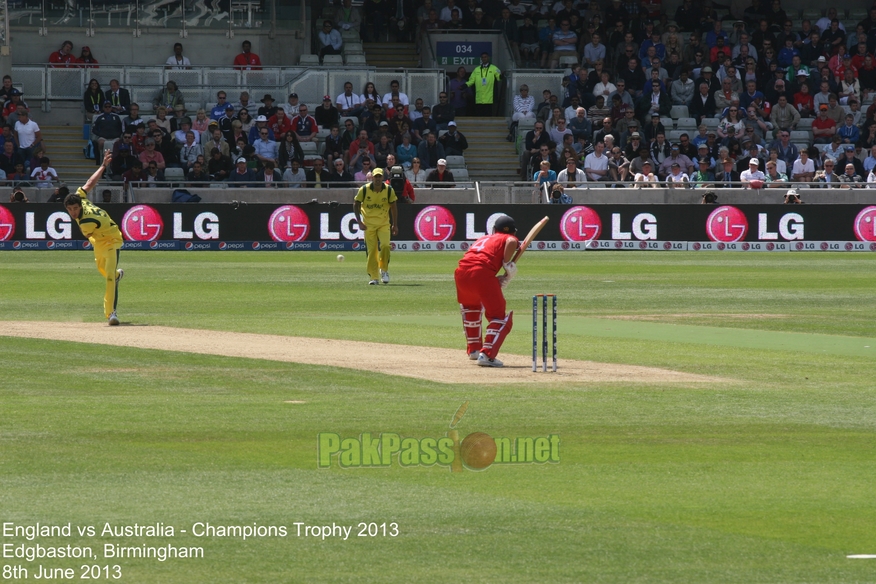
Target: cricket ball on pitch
point(478, 450)
point(340, 258)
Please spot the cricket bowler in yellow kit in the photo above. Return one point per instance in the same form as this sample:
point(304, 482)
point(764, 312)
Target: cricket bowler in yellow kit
point(104, 235)
point(373, 205)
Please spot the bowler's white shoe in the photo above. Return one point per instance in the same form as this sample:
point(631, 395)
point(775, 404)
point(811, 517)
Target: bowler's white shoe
point(113, 320)
point(484, 361)
point(119, 275)
point(384, 276)
point(373, 283)
point(474, 355)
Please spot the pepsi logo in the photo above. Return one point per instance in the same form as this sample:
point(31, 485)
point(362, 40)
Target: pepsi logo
point(697, 246)
point(727, 224)
point(434, 223)
point(7, 224)
point(391, 246)
point(142, 223)
point(824, 246)
point(153, 245)
point(849, 246)
point(289, 223)
point(323, 245)
point(256, 245)
point(770, 246)
point(643, 245)
point(223, 246)
point(580, 224)
point(721, 247)
point(189, 246)
point(50, 245)
point(290, 245)
point(16, 245)
point(416, 246)
point(540, 245)
point(565, 245)
point(464, 246)
point(746, 246)
point(798, 246)
point(86, 245)
point(439, 246)
point(667, 245)
point(865, 224)
point(357, 245)
point(618, 244)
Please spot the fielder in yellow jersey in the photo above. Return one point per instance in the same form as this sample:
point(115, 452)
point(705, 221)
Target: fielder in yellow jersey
point(373, 205)
point(104, 235)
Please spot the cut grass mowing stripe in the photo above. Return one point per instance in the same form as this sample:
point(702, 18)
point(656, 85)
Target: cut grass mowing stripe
point(677, 333)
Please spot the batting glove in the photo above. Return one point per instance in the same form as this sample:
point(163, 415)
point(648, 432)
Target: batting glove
point(510, 269)
point(503, 281)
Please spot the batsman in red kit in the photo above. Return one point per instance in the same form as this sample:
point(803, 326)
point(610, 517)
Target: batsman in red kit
point(479, 291)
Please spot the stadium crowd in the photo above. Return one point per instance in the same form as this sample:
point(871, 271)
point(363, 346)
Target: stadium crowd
point(699, 98)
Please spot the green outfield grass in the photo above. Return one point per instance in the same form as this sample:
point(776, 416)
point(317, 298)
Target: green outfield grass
point(768, 477)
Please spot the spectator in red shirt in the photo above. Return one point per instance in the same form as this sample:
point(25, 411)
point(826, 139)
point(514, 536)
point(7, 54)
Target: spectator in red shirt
point(823, 127)
point(247, 59)
point(86, 59)
point(280, 124)
point(804, 102)
point(63, 57)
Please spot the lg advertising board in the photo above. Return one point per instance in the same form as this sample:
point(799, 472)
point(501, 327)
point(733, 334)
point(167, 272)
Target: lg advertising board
point(268, 227)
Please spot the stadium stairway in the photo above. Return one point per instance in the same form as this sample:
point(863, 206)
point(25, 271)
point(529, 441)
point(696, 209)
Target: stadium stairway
point(64, 146)
point(489, 155)
point(391, 55)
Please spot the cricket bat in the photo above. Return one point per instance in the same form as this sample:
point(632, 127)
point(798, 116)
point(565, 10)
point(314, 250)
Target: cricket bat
point(533, 233)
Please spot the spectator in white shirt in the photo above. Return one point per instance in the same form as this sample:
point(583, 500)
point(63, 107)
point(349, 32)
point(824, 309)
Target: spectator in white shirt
point(596, 164)
point(803, 169)
point(524, 105)
point(746, 176)
point(177, 60)
point(605, 87)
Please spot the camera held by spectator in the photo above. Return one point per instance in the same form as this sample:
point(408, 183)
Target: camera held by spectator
point(559, 196)
point(710, 198)
point(792, 198)
point(18, 196)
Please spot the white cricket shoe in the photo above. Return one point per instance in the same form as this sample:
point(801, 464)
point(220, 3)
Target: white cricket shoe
point(373, 282)
point(119, 275)
point(474, 355)
point(384, 276)
point(113, 319)
point(484, 361)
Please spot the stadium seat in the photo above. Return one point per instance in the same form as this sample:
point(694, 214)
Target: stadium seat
point(679, 111)
point(323, 133)
point(711, 123)
point(686, 124)
point(350, 35)
point(568, 60)
point(309, 147)
point(353, 48)
point(805, 124)
point(526, 124)
point(454, 162)
point(332, 60)
point(801, 136)
point(308, 60)
point(460, 175)
point(674, 135)
point(355, 60)
point(801, 145)
point(668, 123)
point(174, 174)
